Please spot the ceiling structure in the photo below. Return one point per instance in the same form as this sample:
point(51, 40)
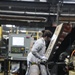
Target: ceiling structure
point(35, 12)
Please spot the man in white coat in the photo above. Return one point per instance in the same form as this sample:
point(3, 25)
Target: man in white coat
point(37, 54)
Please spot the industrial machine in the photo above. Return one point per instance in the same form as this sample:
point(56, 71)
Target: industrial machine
point(70, 60)
point(19, 45)
point(3, 52)
point(60, 33)
point(61, 59)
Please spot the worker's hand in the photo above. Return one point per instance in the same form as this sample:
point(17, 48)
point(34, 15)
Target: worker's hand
point(44, 59)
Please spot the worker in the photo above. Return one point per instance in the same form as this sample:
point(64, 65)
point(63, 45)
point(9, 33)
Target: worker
point(37, 54)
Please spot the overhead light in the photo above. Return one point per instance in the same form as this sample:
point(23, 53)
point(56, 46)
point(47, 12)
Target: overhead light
point(43, 0)
point(25, 0)
point(22, 30)
point(69, 2)
point(7, 25)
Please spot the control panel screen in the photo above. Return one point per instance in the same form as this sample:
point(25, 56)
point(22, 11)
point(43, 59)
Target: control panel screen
point(17, 41)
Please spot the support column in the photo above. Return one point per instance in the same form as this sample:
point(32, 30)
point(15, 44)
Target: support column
point(0, 33)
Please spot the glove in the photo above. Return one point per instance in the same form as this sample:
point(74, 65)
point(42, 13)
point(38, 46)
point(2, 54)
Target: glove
point(29, 57)
point(44, 59)
point(28, 64)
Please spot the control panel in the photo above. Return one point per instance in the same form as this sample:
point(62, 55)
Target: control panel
point(17, 49)
point(19, 45)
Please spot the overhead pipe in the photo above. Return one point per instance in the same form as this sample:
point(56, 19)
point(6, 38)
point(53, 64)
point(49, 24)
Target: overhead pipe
point(33, 13)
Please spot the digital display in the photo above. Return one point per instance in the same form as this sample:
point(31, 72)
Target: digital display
point(17, 41)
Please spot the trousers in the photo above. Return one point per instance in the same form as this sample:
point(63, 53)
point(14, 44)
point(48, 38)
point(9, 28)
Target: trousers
point(37, 70)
